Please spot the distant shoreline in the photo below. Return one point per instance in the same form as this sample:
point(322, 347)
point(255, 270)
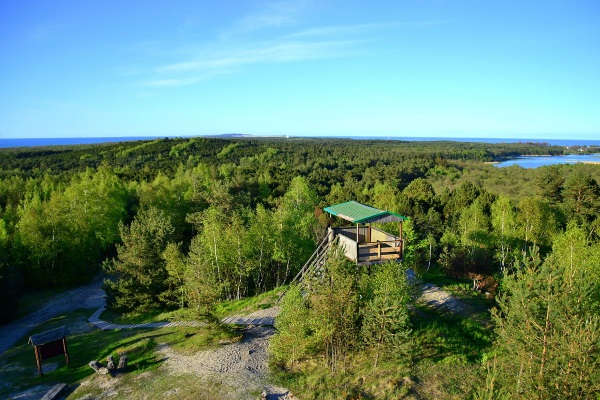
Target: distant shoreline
point(534, 161)
point(38, 142)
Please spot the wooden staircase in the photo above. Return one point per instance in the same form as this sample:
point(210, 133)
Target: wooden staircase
point(313, 266)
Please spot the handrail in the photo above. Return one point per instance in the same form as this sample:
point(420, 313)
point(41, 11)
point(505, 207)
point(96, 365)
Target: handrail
point(313, 260)
point(310, 260)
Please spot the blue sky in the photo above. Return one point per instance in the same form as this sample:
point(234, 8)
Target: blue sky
point(438, 68)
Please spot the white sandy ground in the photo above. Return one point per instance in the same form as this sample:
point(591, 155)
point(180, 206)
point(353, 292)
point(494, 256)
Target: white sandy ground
point(242, 366)
point(439, 299)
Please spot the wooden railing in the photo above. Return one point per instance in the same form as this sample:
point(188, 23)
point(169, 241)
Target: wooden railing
point(380, 251)
point(381, 246)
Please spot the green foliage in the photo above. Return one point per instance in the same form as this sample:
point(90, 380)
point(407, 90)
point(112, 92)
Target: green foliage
point(537, 221)
point(62, 239)
point(345, 315)
point(227, 150)
point(295, 338)
point(142, 277)
point(504, 227)
point(550, 182)
point(385, 315)
point(582, 196)
point(548, 324)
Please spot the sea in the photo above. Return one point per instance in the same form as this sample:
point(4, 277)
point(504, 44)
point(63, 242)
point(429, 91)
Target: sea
point(37, 142)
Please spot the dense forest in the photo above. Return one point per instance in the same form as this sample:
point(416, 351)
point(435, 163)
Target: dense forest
point(190, 222)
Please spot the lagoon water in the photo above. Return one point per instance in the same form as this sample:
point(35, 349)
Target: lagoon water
point(540, 161)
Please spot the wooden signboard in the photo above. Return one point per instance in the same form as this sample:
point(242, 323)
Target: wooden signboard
point(50, 344)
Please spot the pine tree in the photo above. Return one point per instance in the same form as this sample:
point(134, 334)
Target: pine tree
point(140, 267)
point(385, 324)
point(548, 324)
point(294, 339)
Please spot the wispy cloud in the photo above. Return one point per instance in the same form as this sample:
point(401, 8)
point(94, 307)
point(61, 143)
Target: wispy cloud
point(273, 15)
point(171, 82)
point(360, 29)
point(265, 52)
point(242, 45)
point(197, 65)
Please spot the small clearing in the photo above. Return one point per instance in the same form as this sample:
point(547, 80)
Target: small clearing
point(437, 298)
point(242, 367)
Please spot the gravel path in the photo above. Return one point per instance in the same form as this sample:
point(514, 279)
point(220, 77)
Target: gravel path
point(87, 296)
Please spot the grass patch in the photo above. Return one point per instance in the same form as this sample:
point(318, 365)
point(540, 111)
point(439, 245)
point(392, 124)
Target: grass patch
point(158, 384)
point(438, 278)
point(248, 305)
point(190, 340)
point(223, 309)
point(311, 379)
point(438, 336)
point(157, 315)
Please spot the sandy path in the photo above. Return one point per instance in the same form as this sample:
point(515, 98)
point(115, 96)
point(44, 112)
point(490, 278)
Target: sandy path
point(241, 366)
point(87, 296)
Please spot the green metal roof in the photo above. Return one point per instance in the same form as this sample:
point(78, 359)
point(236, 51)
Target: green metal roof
point(357, 213)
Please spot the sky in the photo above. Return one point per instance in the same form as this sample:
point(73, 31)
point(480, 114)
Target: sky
point(438, 68)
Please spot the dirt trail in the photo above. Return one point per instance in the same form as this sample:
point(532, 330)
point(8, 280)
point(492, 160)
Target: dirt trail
point(87, 296)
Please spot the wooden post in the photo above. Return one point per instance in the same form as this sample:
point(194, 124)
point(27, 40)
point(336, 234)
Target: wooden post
point(401, 242)
point(64, 341)
point(379, 250)
point(110, 363)
point(357, 245)
point(38, 359)
point(369, 235)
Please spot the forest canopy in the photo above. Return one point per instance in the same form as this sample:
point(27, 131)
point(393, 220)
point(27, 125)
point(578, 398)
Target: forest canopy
point(191, 222)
